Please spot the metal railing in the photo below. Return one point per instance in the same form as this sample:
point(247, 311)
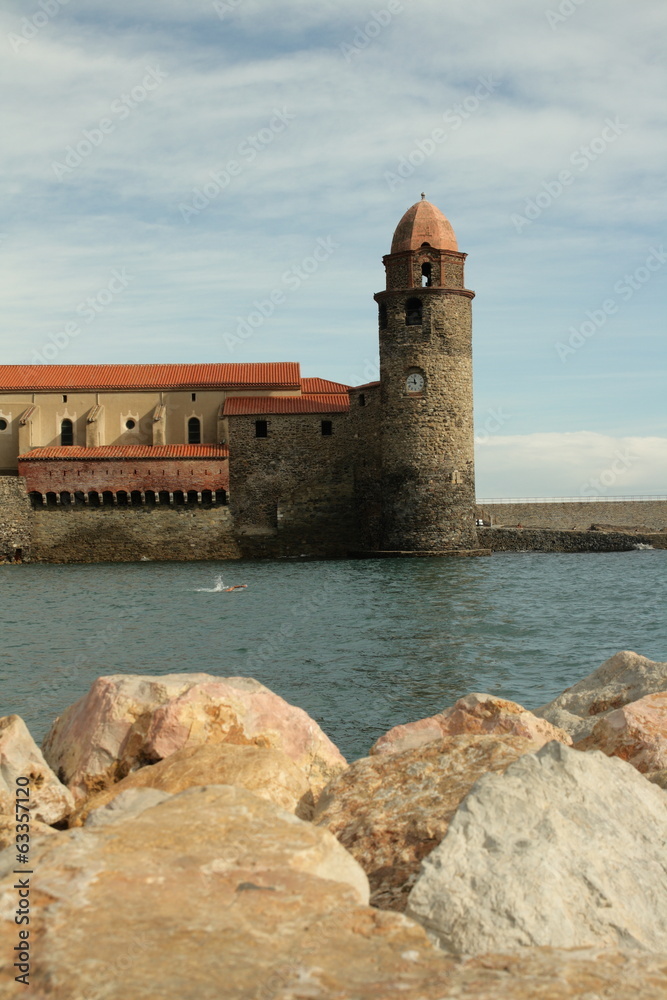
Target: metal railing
point(635, 499)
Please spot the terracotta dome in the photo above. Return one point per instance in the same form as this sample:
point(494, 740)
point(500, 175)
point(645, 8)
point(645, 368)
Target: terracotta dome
point(423, 223)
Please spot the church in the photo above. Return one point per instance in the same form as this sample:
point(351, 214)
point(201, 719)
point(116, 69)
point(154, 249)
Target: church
point(296, 465)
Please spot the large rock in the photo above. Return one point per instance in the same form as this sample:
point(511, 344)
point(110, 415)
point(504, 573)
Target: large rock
point(658, 778)
point(475, 714)
point(8, 831)
point(214, 893)
point(391, 810)
point(268, 773)
point(20, 757)
point(624, 678)
point(127, 721)
point(564, 849)
point(636, 733)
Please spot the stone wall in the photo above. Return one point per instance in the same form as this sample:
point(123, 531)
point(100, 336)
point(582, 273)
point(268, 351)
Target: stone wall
point(640, 515)
point(130, 534)
point(549, 540)
point(16, 519)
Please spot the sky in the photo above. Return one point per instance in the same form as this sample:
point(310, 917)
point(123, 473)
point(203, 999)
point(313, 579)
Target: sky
point(218, 180)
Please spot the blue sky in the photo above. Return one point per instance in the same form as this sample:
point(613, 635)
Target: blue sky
point(538, 128)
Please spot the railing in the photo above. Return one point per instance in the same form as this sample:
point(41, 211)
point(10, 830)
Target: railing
point(644, 498)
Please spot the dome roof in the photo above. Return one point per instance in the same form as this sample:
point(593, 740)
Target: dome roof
point(423, 223)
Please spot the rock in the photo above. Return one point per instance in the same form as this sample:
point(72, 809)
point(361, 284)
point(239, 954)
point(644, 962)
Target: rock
point(392, 810)
point(564, 849)
point(270, 774)
point(8, 831)
point(214, 893)
point(636, 733)
point(128, 721)
point(128, 804)
point(475, 714)
point(624, 678)
point(658, 778)
point(20, 757)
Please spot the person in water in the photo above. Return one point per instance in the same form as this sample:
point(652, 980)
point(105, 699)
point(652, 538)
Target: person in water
point(238, 586)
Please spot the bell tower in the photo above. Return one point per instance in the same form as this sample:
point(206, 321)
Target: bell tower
point(427, 446)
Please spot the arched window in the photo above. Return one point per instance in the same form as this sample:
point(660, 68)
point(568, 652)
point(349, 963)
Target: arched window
point(426, 276)
point(66, 432)
point(382, 315)
point(414, 312)
point(194, 431)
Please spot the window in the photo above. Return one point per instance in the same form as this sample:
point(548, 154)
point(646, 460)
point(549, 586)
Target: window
point(382, 315)
point(362, 399)
point(413, 312)
point(194, 431)
point(327, 428)
point(261, 429)
point(194, 397)
point(66, 433)
point(426, 276)
point(64, 399)
point(130, 424)
point(3, 424)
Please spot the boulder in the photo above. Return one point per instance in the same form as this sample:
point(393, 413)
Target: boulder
point(128, 721)
point(636, 733)
point(390, 811)
point(20, 757)
point(268, 773)
point(658, 778)
point(564, 850)
point(475, 714)
point(8, 831)
point(215, 893)
point(128, 804)
point(624, 678)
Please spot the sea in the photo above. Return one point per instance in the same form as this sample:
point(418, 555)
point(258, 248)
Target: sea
point(360, 645)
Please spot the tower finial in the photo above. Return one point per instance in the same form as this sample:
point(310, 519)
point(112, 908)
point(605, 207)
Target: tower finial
point(423, 196)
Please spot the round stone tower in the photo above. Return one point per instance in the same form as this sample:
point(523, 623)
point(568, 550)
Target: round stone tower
point(425, 318)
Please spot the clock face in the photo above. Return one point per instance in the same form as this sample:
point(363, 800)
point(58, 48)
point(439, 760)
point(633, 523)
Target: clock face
point(414, 382)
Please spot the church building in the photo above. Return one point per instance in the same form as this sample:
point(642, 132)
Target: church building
point(301, 465)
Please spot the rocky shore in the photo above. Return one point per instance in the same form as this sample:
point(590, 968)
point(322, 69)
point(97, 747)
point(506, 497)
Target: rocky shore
point(198, 836)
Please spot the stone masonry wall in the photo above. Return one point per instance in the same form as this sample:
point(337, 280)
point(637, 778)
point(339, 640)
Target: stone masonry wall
point(642, 515)
point(550, 540)
point(16, 520)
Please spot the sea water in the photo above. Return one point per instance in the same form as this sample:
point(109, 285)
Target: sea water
point(360, 645)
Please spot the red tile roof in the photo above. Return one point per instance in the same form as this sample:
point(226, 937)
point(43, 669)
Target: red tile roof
point(239, 405)
point(322, 386)
point(136, 451)
point(61, 378)
point(367, 385)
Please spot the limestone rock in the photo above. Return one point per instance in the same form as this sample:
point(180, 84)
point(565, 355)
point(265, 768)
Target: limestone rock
point(268, 773)
point(128, 721)
point(564, 849)
point(636, 733)
point(623, 678)
point(8, 831)
point(392, 810)
point(475, 714)
point(20, 757)
point(658, 778)
point(128, 804)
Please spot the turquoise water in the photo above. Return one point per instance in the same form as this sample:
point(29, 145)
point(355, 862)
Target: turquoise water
point(361, 646)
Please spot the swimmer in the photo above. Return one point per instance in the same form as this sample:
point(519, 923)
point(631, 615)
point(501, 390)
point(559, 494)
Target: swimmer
point(238, 586)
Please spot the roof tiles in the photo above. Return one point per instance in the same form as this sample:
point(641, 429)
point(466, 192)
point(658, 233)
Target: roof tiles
point(136, 451)
point(245, 405)
point(61, 378)
point(322, 386)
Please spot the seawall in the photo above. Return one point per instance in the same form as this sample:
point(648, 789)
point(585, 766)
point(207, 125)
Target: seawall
point(569, 515)
point(550, 540)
